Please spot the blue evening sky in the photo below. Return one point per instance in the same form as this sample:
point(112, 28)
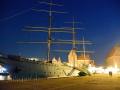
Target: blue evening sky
point(100, 18)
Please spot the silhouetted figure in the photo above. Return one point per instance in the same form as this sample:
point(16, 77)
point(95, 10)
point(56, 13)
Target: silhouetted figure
point(110, 73)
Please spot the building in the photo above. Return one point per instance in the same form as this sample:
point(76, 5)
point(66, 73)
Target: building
point(113, 57)
point(79, 61)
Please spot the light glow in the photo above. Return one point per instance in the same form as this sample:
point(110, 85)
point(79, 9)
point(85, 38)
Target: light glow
point(112, 69)
point(101, 70)
point(96, 69)
point(2, 69)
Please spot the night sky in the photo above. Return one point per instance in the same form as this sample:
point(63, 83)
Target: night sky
point(99, 18)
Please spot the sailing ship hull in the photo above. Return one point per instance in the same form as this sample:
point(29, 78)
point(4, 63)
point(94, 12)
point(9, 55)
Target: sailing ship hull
point(22, 68)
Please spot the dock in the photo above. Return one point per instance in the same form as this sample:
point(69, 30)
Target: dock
point(94, 82)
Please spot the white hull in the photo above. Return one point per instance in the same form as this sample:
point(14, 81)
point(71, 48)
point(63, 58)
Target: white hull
point(33, 69)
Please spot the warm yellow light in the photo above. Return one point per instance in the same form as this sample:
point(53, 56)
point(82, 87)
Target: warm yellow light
point(96, 69)
point(116, 66)
point(92, 69)
point(112, 69)
point(99, 70)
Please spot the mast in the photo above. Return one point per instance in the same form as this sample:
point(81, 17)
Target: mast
point(73, 41)
point(73, 25)
point(50, 12)
point(73, 22)
point(48, 29)
point(73, 31)
point(51, 30)
point(73, 37)
point(84, 49)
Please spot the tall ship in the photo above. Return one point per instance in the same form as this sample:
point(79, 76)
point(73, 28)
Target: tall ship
point(21, 67)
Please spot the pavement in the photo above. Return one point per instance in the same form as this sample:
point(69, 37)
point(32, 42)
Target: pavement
point(94, 82)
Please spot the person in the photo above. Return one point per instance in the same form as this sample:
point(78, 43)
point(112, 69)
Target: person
point(110, 73)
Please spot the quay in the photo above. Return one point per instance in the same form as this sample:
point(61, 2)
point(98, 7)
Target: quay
point(94, 82)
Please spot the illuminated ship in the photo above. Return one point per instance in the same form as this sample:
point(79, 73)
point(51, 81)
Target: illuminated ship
point(24, 68)
point(20, 67)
